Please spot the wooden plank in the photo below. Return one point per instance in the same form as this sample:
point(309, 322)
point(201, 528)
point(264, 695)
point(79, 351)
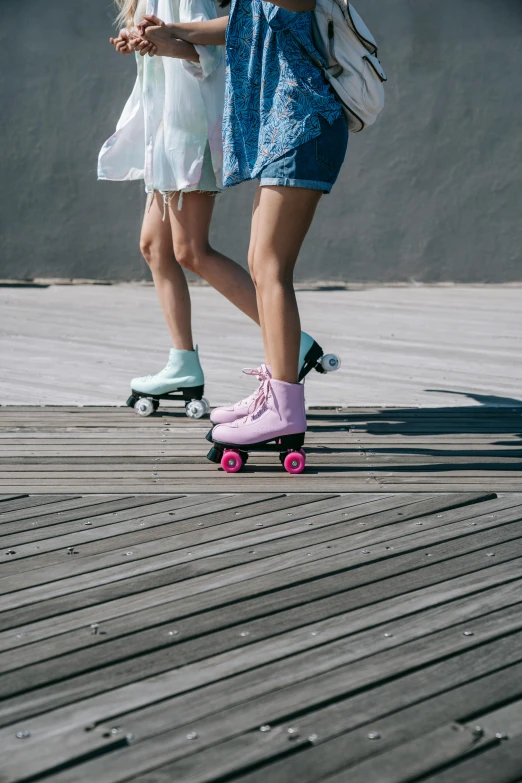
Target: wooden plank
point(285, 485)
point(135, 508)
point(198, 470)
point(320, 689)
point(501, 764)
point(225, 630)
point(70, 510)
point(506, 721)
point(207, 581)
point(250, 562)
point(342, 730)
point(418, 757)
point(152, 751)
point(276, 533)
point(469, 464)
point(206, 526)
point(213, 510)
point(237, 605)
point(299, 651)
point(30, 501)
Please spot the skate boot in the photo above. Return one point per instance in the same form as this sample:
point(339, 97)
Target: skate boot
point(277, 423)
point(241, 408)
point(311, 357)
point(181, 379)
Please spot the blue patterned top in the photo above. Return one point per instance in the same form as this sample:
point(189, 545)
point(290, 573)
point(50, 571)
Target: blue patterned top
point(274, 93)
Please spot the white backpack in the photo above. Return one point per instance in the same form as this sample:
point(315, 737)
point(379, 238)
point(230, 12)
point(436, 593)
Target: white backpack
point(353, 68)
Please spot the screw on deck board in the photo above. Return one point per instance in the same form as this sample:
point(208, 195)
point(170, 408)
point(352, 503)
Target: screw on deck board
point(173, 633)
point(11, 552)
point(293, 733)
point(265, 727)
point(95, 627)
point(478, 731)
point(374, 735)
point(469, 633)
point(313, 738)
point(192, 735)
point(23, 734)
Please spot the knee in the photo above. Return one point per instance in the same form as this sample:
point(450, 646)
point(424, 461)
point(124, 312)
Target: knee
point(190, 258)
point(252, 265)
point(268, 272)
point(152, 251)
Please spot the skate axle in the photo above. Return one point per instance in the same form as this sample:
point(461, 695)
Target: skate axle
point(321, 363)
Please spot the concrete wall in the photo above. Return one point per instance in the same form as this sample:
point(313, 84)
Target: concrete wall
point(432, 193)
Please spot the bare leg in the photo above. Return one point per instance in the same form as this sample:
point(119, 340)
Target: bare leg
point(282, 219)
point(253, 237)
point(190, 230)
point(169, 279)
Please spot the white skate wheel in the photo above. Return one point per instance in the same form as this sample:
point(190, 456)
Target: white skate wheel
point(144, 407)
point(195, 409)
point(330, 362)
point(206, 404)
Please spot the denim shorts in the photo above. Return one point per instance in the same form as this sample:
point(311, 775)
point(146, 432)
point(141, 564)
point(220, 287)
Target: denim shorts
point(315, 164)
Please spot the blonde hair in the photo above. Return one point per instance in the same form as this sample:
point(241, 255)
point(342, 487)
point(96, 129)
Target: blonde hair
point(127, 9)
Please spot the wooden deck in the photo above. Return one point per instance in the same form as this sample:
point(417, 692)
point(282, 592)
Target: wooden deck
point(163, 622)
point(112, 450)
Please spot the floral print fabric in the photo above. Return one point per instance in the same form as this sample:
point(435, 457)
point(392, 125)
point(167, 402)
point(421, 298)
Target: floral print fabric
point(274, 93)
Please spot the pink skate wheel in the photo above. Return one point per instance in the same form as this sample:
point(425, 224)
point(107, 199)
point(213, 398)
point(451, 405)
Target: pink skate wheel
point(295, 462)
point(231, 462)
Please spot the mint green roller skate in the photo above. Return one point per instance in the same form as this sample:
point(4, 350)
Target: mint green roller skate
point(181, 379)
point(311, 357)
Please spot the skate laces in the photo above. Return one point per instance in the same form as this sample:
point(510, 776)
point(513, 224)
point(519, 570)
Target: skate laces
point(258, 372)
point(264, 393)
point(252, 400)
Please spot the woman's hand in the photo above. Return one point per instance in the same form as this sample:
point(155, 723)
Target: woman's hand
point(124, 43)
point(159, 37)
point(211, 32)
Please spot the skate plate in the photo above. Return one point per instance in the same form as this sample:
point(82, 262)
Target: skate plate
point(195, 404)
point(233, 457)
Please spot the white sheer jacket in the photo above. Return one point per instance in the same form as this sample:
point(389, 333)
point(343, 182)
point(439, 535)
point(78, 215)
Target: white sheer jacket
point(174, 111)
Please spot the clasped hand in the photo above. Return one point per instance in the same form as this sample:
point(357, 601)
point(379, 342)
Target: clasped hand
point(151, 37)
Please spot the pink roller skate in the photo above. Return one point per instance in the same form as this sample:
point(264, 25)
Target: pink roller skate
point(241, 408)
point(311, 357)
point(276, 422)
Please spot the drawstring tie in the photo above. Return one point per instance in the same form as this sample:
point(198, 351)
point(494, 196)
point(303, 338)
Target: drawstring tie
point(167, 196)
point(260, 401)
